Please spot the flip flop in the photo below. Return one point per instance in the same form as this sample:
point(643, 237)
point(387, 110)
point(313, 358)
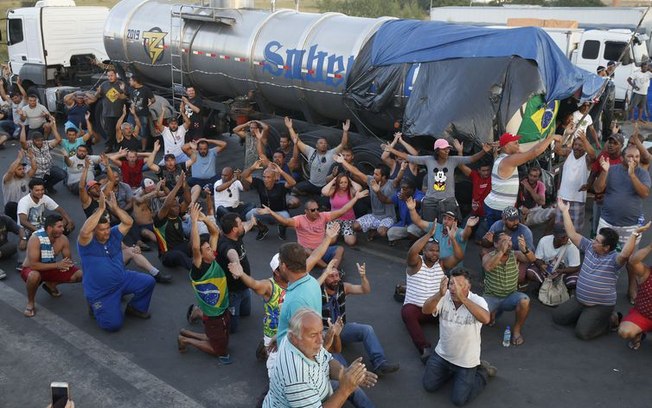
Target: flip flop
point(52, 292)
point(517, 340)
point(189, 317)
point(29, 312)
point(636, 344)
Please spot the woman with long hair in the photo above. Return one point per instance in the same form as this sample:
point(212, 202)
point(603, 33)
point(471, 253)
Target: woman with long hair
point(340, 191)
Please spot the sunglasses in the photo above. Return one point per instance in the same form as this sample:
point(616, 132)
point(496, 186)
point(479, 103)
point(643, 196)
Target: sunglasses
point(228, 190)
point(312, 209)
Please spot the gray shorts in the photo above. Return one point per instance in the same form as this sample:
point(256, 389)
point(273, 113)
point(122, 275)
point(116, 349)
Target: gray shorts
point(639, 100)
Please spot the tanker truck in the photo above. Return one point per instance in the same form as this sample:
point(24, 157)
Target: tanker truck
point(324, 68)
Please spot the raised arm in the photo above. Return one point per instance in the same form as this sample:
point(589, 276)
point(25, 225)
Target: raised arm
point(195, 243)
point(458, 253)
point(150, 159)
point(118, 125)
point(55, 132)
point(9, 174)
point(600, 183)
point(329, 188)
point(430, 305)
point(641, 189)
point(171, 197)
point(573, 235)
point(346, 207)
point(413, 258)
point(318, 253)
point(246, 175)
point(359, 176)
point(414, 215)
point(345, 135)
point(87, 230)
point(385, 157)
point(491, 261)
point(514, 160)
point(289, 180)
point(262, 288)
point(364, 287)
point(486, 149)
point(635, 263)
point(390, 149)
point(295, 137)
point(125, 220)
point(630, 245)
point(23, 137)
point(288, 222)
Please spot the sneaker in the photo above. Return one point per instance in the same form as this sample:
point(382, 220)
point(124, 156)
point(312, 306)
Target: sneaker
point(386, 368)
point(262, 232)
point(225, 360)
point(19, 266)
point(491, 370)
point(427, 352)
point(2, 274)
point(282, 232)
point(162, 277)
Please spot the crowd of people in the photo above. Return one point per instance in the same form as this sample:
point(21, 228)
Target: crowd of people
point(134, 198)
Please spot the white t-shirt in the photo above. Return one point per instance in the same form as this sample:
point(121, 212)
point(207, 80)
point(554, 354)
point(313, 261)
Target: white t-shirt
point(173, 141)
point(459, 331)
point(36, 212)
point(34, 116)
point(547, 252)
point(229, 197)
point(76, 169)
point(641, 80)
point(583, 124)
point(574, 175)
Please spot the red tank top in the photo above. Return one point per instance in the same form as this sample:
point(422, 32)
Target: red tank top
point(643, 301)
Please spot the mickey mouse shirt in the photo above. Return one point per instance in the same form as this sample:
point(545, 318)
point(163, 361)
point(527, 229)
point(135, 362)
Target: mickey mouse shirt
point(441, 177)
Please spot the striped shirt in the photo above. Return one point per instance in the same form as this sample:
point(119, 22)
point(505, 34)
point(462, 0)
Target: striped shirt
point(423, 284)
point(502, 280)
point(596, 284)
point(503, 191)
point(297, 381)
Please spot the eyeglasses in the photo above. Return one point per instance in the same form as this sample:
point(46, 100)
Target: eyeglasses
point(432, 239)
point(312, 209)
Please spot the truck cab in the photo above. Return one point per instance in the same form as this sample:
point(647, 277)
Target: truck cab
point(54, 42)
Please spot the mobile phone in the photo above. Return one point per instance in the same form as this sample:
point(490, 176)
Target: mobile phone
point(60, 394)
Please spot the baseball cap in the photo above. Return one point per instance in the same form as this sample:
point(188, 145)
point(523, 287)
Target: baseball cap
point(611, 63)
point(275, 262)
point(148, 182)
point(441, 144)
point(90, 184)
point(70, 126)
point(511, 213)
point(617, 137)
point(508, 138)
point(601, 68)
point(451, 213)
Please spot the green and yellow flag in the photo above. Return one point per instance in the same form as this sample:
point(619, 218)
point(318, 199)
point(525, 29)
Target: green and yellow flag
point(538, 119)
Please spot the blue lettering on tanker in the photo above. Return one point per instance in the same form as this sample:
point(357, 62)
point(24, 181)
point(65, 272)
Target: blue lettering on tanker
point(320, 66)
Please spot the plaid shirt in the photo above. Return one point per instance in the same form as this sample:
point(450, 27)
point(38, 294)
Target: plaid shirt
point(42, 156)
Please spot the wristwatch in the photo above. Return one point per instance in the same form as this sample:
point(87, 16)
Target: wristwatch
point(527, 251)
point(636, 234)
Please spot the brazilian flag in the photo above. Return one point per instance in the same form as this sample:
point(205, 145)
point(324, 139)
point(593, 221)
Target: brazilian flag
point(538, 119)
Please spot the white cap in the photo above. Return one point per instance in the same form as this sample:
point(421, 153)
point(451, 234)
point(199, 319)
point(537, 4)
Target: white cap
point(275, 262)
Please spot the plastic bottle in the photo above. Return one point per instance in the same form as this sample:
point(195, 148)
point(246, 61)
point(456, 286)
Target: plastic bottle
point(507, 337)
point(641, 220)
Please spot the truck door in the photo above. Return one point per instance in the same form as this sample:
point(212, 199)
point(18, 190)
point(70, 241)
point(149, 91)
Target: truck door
point(16, 44)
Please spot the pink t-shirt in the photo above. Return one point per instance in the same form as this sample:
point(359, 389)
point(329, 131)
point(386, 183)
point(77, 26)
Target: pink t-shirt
point(311, 233)
point(339, 200)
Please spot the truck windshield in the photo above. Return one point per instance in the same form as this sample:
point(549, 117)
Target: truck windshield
point(640, 53)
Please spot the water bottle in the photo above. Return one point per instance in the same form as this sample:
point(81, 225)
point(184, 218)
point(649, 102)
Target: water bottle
point(507, 337)
point(641, 220)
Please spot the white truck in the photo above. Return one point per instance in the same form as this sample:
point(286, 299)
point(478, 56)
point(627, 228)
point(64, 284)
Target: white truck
point(587, 49)
point(55, 43)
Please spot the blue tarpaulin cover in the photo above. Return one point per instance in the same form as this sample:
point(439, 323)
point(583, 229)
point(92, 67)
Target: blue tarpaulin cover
point(410, 41)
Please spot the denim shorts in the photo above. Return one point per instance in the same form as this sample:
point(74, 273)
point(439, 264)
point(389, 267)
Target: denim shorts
point(505, 304)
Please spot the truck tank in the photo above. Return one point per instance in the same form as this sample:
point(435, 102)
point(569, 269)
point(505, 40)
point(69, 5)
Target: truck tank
point(294, 61)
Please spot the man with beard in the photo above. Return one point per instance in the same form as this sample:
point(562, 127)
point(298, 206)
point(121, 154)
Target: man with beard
point(501, 281)
point(440, 195)
point(574, 176)
point(511, 226)
point(42, 151)
point(204, 168)
point(126, 135)
point(320, 159)
point(15, 182)
point(211, 292)
point(193, 103)
point(100, 250)
point(556, 250)
point(173, 247)
point(423, 275)
point(39, 265)
point(89, 190)
point(173, 135)
point(75, 167)
point(625, 186)
point(171, 170)
point(231, 249)
point(131, 166)
point(612, 153)
point(333, 301)
point(252, 133)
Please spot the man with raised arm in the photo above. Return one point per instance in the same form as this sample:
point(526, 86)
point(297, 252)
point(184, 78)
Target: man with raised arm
point(39, 265)
point(320, 158)
point(423, 275)
point(107, 280)
point(504, 175)
point(638, 322)
point(591, 310)
point(211, 292)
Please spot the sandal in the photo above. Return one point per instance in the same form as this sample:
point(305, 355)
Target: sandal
point(54, 292)
point(29, 312)
point(636, 343)
point(517, 340)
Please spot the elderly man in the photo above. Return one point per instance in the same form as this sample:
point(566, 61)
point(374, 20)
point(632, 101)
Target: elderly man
point(311, 226)
point(501, 281)
point(227, 194)
point(440, 195)
point(504, 175)
point(39, 265)
point(333, 303)
point(302, 373)
point(320, 159)
point(638, 321)
point(625, 185)
point(591, 310)
point(100, 250)
point(457, 355)
point(423, 275)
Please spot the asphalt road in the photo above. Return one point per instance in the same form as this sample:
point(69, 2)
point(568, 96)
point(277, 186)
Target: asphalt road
point(140, 367)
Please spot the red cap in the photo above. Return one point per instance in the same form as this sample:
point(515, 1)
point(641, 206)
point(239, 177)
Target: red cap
point(507, 138)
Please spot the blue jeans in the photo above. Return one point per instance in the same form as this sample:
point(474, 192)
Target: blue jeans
point(468, 383)
point(505, 304)
point(9, 127)
point(194, 181)
point(359, 399)
point(266, 218)
point(242, 210)
point(356, 333)
point(492, 216)
point(239, 305)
